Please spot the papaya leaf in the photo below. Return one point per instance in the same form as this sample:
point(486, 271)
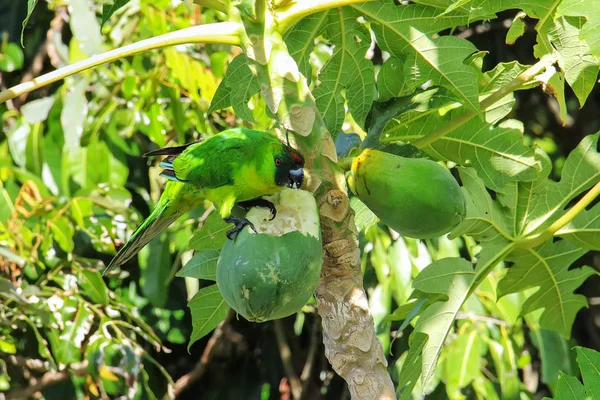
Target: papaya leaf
point(451, 277)
point(454, 279)
point(517, 28)
point(212, 234)
point(496, 152)
point(590, 10)
point(584, 229)
point(202, 266)
point(485, 220)
point(580, 172)
point(580, 67)
point(363, 217)
point(547, 268)
point(208, 309)
point(405, 32)
point(236, 89)
point(346, 70)
point(570, 388)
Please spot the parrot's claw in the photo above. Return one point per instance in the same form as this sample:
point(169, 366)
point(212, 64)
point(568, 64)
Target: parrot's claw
point(260, 203)
point(240, 223)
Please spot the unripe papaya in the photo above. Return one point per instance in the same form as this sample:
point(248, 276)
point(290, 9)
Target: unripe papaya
point(273, 273)
point(416, 197)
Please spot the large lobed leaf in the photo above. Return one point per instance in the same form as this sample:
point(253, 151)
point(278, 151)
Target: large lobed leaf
point(589, 9)
point(347, 70)
point(208, 309)
point(405, 32)
point(547, 268)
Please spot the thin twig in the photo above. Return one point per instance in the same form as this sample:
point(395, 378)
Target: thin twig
point(286, 359)
point(48, 379)
point(188, 379)
point(310, 357)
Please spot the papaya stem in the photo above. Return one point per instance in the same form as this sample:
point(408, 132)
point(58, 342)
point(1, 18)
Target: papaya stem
point(524, 78)
point(287, 16)
point(537, 240)
point(221, 33)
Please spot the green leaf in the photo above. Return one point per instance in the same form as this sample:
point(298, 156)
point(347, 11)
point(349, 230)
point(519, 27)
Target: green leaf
point(346, 71)
point(589, 362)
point(451, 277)
point(411, 367)
point(504, 358)
point(463, 362)
point(497, 153)
point(109, 8)
point(517, 28)
point(208, 309)
point(580, 67)
point(63, 232)
point(202, 266)
point(555, 353)
point(12, 58)
point(155, 264)
point(363, 216)
point(485, 220)
point(547, 268)
point(580, 172)
point(93, 286)
point(589, 9)
point(236, 89)
point(405, 32)
point(584, 229)
point(30, 7)
point(212, 234)
point(67, 349)
point(569, 388)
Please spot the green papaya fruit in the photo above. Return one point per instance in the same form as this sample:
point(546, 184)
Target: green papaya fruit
point(273, 273)
point(416, 197)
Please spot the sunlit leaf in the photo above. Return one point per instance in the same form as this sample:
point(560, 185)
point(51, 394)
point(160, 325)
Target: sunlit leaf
point(208, 309)
point(202, 266)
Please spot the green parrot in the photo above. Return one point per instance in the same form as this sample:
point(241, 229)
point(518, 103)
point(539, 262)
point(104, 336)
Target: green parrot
point(234, 167)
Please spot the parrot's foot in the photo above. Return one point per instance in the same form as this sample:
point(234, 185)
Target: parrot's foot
point(240, 223)
point(259, 203)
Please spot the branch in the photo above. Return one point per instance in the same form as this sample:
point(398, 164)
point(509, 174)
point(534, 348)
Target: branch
point(48, 379)
point(286, 17)
point(286, 359)
point(213, 4)
point(188, 379)
point(220, 33)
point(513, 85)
point(585, 201)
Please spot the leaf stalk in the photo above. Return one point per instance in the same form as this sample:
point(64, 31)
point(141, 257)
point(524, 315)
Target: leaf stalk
point(525, 77)
point(219, 33)
point(537, 240)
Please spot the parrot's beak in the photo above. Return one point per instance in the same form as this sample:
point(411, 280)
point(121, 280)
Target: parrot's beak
point(296, 177)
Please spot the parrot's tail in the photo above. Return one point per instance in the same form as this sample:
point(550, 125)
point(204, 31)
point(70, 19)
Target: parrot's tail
point(148, 230)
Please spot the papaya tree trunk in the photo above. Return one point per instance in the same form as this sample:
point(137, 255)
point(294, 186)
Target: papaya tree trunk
point(351, 344)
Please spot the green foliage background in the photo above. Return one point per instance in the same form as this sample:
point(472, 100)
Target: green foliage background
point(73, 186)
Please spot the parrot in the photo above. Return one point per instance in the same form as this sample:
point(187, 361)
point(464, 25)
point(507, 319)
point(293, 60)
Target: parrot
point(234, 167)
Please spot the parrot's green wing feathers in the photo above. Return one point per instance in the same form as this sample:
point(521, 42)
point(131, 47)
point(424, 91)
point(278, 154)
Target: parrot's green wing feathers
point(151, 227)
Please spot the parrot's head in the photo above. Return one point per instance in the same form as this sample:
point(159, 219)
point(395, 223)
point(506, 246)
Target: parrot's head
point(289, 164)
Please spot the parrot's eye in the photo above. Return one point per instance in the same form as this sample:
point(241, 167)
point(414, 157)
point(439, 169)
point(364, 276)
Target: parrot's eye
point(278, 162)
